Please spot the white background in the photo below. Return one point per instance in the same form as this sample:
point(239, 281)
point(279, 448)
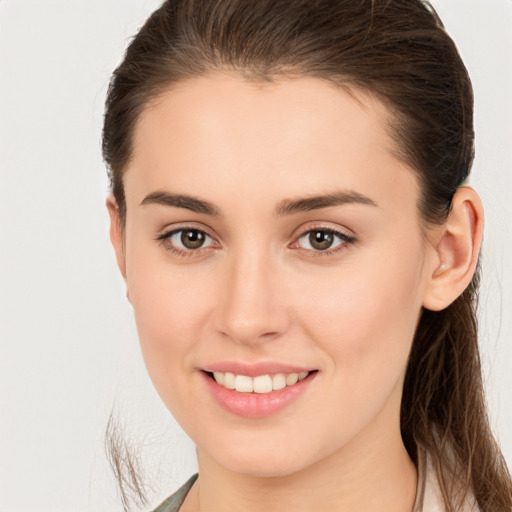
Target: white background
point(68, 347)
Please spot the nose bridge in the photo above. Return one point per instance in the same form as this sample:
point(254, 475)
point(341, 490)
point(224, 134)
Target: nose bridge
point(251, 307)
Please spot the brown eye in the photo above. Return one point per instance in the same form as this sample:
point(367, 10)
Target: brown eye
point(186, 240)
point(320, 240)
point(323, 240)
point(192, 238)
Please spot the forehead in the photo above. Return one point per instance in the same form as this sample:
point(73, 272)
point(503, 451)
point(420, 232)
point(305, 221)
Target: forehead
point(228, 104)
point(224, 133)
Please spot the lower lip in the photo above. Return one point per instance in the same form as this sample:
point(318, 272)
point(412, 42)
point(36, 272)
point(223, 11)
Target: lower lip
point(256, 405)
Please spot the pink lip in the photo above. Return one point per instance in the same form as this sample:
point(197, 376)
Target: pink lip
point(256, 405)
point(255, 369)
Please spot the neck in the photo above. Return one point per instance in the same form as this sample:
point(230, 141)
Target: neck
point(362, 476)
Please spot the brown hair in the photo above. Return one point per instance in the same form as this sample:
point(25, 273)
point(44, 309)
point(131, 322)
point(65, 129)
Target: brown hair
point(399, 51)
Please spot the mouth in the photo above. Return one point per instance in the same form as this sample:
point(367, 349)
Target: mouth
point(258, 396)
point(260, 383)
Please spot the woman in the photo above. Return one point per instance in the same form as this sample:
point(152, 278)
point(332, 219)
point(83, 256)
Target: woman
point(290, 215)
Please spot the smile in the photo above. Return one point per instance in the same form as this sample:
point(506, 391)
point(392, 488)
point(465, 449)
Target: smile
point(259, 384)
point(257, 396)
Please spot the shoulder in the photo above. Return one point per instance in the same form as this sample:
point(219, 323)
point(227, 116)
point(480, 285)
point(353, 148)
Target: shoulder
point(174, 502)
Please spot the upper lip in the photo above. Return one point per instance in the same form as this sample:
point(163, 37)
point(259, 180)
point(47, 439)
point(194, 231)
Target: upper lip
point(254, 369)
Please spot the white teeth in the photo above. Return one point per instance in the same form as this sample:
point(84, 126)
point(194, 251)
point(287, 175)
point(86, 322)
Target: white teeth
point(243, 384)
point(262, 384)
point(292, 379)
point(229, 380)
point(279, 381)
point(259, 384)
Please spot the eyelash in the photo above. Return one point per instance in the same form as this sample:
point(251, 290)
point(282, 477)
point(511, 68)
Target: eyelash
point(345, 240)
point(188, 253)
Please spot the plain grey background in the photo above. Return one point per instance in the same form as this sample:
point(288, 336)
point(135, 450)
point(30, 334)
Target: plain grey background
point(68, 346)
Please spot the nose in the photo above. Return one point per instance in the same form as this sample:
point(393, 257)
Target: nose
point(251, 306)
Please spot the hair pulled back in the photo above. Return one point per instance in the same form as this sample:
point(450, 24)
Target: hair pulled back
point(398, 51)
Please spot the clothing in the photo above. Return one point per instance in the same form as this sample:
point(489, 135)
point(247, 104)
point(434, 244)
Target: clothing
point(174, 502)
point(428, 495)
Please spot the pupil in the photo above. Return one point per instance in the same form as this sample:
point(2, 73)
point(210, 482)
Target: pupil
point(192, 239)
point(320, 240)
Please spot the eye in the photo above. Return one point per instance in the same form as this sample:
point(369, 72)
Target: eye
point(186, 240)
point(323, 240)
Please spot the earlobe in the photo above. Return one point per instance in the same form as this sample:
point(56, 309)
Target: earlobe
point(116, 234)
point(456, 251)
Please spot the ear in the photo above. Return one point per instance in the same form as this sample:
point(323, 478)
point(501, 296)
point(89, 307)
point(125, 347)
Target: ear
point(455, 250)
point(116, 234)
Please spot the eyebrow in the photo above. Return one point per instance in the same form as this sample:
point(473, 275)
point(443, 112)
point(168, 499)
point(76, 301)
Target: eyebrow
point(337, 198)
point(182, 201)
point(285, 207)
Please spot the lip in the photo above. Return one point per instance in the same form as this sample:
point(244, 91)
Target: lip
point(257, 405)
point(254, 369)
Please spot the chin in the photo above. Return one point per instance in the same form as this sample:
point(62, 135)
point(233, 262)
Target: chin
point(263, 468)
point(260, 460)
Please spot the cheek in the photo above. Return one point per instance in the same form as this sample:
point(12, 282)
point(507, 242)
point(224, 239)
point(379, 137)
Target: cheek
point(366, 316)
point(169, 307)
point(363, 322)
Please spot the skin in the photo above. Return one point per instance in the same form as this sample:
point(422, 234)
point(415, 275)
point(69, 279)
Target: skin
point(258, 291)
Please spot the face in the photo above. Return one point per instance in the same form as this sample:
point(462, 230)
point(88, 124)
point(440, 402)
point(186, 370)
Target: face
point(271, 236)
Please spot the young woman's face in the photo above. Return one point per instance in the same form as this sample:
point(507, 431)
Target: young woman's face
point(270, 231)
